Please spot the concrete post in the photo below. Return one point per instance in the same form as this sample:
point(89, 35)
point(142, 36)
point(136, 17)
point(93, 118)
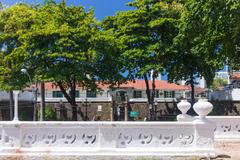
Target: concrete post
point(126, 112)
point(126, 109)
point(204, 129)
point(111, 109)
point(15, 93)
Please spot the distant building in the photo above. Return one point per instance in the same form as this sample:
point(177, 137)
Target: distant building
point(136, 91)
point(231, 91)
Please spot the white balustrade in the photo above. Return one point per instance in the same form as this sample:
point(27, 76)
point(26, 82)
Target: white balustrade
point(106, 138)
point(227, 128)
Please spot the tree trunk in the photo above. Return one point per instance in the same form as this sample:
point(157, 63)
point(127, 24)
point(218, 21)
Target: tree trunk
point(71, 98)
point(191, 111)
point(149, 98)
point(11, 101)
point(147, 89)
point(154, 75)
point(74, 113)
point(42, 109)
point(35, 117)
point(192, 90)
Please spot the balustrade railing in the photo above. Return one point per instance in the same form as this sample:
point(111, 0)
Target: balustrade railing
point(227, 128)
point(100, 138)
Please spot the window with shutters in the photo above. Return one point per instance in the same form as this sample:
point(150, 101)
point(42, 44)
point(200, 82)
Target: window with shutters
point(137, 94)
point(91, 94)
point(57, 94)
point(169, 94)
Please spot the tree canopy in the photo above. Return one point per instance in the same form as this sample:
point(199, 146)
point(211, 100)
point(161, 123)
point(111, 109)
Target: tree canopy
point(14, 22)
point(145, 34)
point(57, 43)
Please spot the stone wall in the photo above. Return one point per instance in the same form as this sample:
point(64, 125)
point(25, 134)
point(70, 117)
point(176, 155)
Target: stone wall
point(164, 110)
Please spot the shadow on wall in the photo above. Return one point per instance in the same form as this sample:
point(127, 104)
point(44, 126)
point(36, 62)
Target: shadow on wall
point(167, 111)
point(224, 108)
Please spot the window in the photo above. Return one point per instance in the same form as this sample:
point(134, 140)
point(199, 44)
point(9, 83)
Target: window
point(57, 94)
point(161, 94)
point(156, 93)
point(169, 94)
point(91, 93)
point(77, 94)
point(137, 94)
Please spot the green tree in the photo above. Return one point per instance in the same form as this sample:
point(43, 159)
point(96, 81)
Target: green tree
point(197, 51)
point(14, 21)
point(61, 44)
point(67, 47)
point(224, 28)
point(144, 36)
point(218, 82)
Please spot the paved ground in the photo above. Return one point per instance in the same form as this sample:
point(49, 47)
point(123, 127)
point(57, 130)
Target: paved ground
point(99, 158)
point(223, 150)
point(228, 150)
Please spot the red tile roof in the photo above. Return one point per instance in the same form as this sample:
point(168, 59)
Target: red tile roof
point(235, 76)
point(137, 84)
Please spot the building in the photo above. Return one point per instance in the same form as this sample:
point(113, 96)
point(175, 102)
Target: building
point(135, 90)
point(230, 92)
point(112, 101)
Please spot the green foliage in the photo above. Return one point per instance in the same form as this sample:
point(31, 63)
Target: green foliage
point(144, 37)
point(49, 113)
point(14, 22)
point(218, 82)
point(145, 34)
point(209, 34)
point(25, 115)
point(196, 52)
point(57, 43)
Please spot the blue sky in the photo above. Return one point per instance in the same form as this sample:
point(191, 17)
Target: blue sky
point(102, 7)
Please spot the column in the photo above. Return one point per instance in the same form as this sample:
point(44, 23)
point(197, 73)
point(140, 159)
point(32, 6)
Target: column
point(15, 93)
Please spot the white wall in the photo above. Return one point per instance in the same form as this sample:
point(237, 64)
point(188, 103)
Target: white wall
point(236, 94)
point(233, 95)
point(23, 96)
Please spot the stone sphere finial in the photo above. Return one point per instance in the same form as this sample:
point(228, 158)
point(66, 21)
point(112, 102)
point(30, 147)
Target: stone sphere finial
point(184, 106)
point(203, 108)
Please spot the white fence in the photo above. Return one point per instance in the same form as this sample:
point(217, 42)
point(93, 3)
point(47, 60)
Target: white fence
point(106, 138)
point(227, 128)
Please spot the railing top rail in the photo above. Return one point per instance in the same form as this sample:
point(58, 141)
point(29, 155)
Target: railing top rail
point(148, 124)
point(222, 117)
